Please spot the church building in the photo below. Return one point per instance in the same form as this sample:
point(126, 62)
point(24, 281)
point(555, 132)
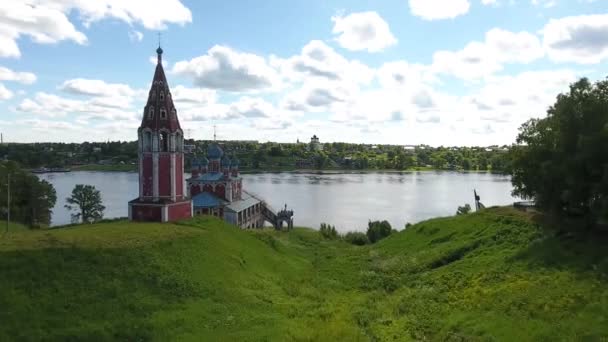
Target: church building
point(216, 188)
point(161, 157)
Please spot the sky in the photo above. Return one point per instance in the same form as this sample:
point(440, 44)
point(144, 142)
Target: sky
point(436, 72)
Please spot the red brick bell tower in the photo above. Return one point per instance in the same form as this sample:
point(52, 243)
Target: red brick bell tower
point(161, 157)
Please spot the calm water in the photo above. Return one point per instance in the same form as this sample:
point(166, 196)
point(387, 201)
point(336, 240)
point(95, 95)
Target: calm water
point(347, 201)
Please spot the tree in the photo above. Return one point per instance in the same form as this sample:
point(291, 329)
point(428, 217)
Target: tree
point(463, 210)
point(31, 198)
point(87, 201)
point(377, 230)
point(561, 161)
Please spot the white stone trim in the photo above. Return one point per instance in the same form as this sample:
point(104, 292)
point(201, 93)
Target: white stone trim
point(164, 214)
point(173, 180)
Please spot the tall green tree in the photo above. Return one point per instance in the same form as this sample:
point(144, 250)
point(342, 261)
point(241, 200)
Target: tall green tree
point(86, 201)
point(32, 199)
point(561, 161)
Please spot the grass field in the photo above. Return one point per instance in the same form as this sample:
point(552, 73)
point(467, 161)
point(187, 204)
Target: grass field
point(493, 275)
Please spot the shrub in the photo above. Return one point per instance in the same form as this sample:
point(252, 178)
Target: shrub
point(377, 230)
point(356, 238)
point(463, 210)
point(328, 231)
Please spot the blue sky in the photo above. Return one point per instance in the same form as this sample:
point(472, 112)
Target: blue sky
point(439, 72)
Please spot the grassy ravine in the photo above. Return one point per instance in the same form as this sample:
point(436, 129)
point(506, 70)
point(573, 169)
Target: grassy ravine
point(488, 276)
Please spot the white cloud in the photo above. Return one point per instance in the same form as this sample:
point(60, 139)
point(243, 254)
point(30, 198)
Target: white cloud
point(50, 105)
point(580, 39)
point(44, 24)
point(195, 96)
point(154, 17)
point(439, 9)
point(480, 59)
point(90, 87)
point(363, 31)
point(136, 36)
point(5, 94)
point(399, 74)
point(318, 61)
point(21, 77)
point(544, 3)
point(47, 21)
point(223, 68)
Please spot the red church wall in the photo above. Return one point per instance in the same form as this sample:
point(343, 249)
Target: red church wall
point(164, 175)
point(180, 211)
point(146, 213)
point(220, 191)
point(147, 175)
point(195, 190)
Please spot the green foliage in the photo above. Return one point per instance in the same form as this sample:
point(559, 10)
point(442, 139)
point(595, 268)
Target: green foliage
point(328, 231)
point(561, 159)
point(203, 279)
point(466, 209)
point(122, 156)
point(87, 201)
point(32, 199)
point(356, 238)
point(377, 230)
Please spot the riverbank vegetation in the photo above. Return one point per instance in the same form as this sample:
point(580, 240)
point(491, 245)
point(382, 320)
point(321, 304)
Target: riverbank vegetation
point(31, 199)
point(499, 274)
point(561, 160)
point(254, 156)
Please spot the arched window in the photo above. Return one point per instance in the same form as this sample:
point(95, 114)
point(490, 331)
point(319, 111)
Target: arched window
point(151, 112)
point(162, 95)
point(163, 141)
point(147, 141)
point(163, 113)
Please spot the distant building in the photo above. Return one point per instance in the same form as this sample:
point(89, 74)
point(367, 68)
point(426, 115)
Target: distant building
point(315, 145)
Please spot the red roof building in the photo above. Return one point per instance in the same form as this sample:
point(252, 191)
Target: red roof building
point(161, 157)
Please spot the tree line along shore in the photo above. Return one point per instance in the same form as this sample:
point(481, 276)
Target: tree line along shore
point(255, 156)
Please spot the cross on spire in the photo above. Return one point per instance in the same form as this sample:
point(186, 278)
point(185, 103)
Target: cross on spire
point(159, 51)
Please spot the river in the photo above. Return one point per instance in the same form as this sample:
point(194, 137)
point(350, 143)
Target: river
point(346, 200)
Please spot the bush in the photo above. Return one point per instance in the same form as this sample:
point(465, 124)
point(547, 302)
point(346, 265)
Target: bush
point(328, 231)
point(356, 238)
point(377, 230)
point(463, 210)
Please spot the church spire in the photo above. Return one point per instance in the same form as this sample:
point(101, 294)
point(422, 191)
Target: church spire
point(160, 111)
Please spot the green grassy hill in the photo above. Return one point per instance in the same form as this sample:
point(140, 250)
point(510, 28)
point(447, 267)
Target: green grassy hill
point(488, 276)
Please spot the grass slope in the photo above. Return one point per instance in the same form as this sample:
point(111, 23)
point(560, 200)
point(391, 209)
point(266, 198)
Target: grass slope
point(488, 276)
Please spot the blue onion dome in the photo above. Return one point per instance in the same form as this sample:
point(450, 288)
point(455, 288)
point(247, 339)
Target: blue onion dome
point(235, 162)
point(159, 51)
point(204, 161)
point(214, 152)
point(195, 162)
point(226, 162)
